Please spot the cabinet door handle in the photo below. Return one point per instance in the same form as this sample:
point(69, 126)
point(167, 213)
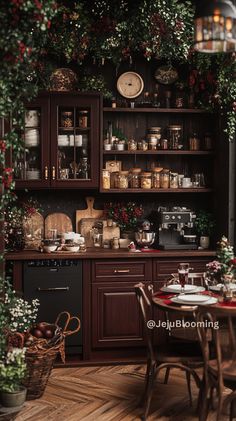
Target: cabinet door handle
point(53, 172)
point(53, 289)
point(121, 270)
point(46, 172)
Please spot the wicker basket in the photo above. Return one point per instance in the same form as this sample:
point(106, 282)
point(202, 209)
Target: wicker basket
point(41, 356)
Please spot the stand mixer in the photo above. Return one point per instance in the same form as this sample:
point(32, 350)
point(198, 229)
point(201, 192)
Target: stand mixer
point(144, 236)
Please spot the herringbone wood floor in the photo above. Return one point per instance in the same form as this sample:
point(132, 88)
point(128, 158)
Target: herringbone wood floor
point(110, 393)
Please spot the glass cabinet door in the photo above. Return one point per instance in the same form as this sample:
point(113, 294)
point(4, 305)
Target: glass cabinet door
point(31, 167)
point(75, 140)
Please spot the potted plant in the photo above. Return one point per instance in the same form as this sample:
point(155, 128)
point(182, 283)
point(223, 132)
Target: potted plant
point(204, 225)
point(12, 373)
point(126, 215)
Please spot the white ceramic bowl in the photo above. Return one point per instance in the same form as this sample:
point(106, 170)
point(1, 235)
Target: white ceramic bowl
point(73, 248)
point(49, 249)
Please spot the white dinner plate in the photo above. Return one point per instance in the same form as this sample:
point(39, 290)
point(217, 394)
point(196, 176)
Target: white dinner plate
point(218, 287)
point(188, 289)
point(179, 300)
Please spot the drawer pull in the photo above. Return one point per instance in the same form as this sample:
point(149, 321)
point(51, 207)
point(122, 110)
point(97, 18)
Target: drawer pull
point(53, 289)
point(121, 270)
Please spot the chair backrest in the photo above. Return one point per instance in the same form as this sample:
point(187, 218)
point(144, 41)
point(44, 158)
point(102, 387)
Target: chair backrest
point(217, 323)
point(145, 308)
point(194, 278)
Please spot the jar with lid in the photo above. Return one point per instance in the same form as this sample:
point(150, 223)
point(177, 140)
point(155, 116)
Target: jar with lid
point(106, 181)
point(114, 179)
point(208, 144)
point(174, 180)
point(83, 119)
point(142, 145)
point(132, 145)
point(156, 177)
point(123, 180)
point(66, 119)
point(120, 145)
point(174, 136)
point(194, 142)
point(165, 178)
point(152, 143)
point(135, 178)
point(146, 180)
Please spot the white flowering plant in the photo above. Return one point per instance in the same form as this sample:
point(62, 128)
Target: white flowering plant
point(22, 314)
point(12, 370)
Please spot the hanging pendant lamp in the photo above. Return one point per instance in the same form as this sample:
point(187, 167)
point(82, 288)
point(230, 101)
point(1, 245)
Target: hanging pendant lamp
point(215, 26)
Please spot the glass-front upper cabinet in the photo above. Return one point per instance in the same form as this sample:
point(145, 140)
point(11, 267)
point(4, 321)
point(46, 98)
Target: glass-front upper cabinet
point(31, 166)
point(75, 134)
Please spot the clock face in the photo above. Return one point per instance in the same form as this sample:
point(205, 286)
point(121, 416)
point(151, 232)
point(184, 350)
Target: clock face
point(130, 85)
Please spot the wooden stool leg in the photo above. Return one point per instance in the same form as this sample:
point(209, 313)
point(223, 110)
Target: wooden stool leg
point(167, 375)
point(188, 379)
point(149, 391)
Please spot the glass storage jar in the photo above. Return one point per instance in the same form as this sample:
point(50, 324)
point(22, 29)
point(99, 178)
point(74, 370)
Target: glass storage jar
point(143, 145)
point(146, 180)
point(174, 180)
point(156, 177)
point(135, 178)
point(174, 136)
point(123, 180)
point(132, 145)
point(194, 142)
point(165, 178)
point(106, 181)
point(66, 119)
point(83, 119)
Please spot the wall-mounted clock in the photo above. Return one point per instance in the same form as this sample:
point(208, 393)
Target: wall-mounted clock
point(130, 85)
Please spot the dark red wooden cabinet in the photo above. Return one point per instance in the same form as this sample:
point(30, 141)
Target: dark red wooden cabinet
point(61, 150)
point(116, 319)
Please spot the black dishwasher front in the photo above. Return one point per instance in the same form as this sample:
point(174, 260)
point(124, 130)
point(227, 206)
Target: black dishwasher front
point(58, 286)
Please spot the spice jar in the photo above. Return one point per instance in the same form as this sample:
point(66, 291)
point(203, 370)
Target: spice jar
point(83, 119)
point(194, 142)
point(165, 179)
point(174, 136)
point(146, 180)
point(142, 145)
point(66, 119)
point(106, 182)
point(164, 144)
point(123, 180)
point(156, 177)
point(174, 180)
point(208, 144)
point(120, 145)
point(135, 178)
point(132, 145)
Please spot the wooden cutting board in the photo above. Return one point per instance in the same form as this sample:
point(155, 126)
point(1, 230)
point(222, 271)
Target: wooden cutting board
point(89, 212)
point(59, 221)
point(33, 231)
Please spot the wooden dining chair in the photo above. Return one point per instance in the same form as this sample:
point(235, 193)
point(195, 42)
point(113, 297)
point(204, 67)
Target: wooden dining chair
point(160, 357)
point(219, 358)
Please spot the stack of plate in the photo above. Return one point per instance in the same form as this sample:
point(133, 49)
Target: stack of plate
point(31, 137)
point(188, 289)
point(33, 174)
point(63, 140)
point(194, 299)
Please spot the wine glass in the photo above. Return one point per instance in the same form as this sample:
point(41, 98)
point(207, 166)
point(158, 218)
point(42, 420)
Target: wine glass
point(183, 270)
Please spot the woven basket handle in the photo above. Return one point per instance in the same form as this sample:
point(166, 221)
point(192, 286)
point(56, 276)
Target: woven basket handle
point(68, 321)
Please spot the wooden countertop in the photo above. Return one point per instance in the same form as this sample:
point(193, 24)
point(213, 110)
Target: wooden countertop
point(93, 253)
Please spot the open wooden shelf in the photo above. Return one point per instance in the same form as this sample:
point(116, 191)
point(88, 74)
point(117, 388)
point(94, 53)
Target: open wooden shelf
point(158, 152)
point(187, 190)
point(158, 110)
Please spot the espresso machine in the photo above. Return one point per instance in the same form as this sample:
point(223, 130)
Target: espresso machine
point(175, 229)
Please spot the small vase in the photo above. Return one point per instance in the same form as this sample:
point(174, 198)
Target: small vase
point(204, 242)
point(12, 399)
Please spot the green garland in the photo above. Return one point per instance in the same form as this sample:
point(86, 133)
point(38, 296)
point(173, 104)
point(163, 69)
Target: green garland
point(23, 34)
